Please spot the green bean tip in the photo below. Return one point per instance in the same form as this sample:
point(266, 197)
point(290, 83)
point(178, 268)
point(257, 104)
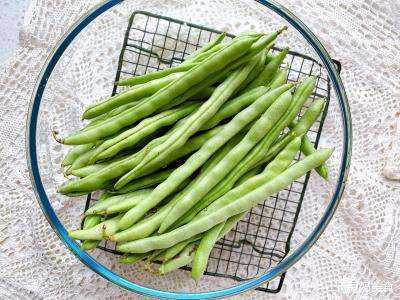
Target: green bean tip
point(56, 137)
point(282, 29)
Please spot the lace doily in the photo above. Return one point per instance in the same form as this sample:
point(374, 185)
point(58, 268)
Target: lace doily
point(359, 253)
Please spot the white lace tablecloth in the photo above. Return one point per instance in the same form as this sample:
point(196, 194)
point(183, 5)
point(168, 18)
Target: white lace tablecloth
point(358, 255)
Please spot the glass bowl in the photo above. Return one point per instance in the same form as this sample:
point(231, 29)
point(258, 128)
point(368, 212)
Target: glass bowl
point(81, 69)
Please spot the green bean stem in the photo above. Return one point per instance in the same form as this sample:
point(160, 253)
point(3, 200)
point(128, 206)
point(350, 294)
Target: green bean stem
point(98, 232)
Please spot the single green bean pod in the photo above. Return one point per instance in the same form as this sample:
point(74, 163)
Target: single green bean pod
point(132, 258)
point(210, 45)
point(184, 258)
point(279, 78)
point(75, 152)
point(203, 251)
point(157, 75)
point(128, 96)
point(308, 148)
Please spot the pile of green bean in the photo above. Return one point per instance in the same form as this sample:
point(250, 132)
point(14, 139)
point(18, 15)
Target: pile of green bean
point(185, 152)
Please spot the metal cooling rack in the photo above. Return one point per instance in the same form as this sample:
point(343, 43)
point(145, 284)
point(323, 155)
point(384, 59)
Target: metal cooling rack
point(262, 239)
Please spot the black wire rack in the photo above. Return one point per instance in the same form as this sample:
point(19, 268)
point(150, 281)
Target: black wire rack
point(262, 239)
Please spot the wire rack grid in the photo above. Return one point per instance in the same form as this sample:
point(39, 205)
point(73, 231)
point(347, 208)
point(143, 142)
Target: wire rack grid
point(262, 239)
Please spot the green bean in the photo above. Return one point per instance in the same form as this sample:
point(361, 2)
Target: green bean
point(81, 161)
point(131, 137)
point(128, 96)
point(301, 127)
point(195, 121)
point(145, 182)
point(114, 170)
point(238, 206)
point(190, 146)
point(132, 258)
point(281, 162)
point(279, 78)
point(308, 148)
point(200, 157)
point(204, 94)
point(258, 153)
point(230, 223)
point(256, 70)
point(74, 153)
point(132, 199)
point(184, 258)
point(120, 109)
point(166, 95)
point(149, 225)
point(89, 222)
point(234, 106)
point(160, 74)
point(127, 203)
point(269, 71)
point(98, 232)
point(210, 45)
point(205, 55)
point(170, 253)
point(203, 251)
point(255, 134)
point(264, 42)
point(211, 197)
point(90, 169)
point(269, 58)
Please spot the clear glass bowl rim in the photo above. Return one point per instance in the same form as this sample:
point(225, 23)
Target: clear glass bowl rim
point(286, 263)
